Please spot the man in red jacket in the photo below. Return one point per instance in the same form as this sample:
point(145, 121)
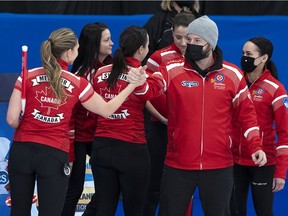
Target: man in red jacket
point(157, 137)
point(203, 92)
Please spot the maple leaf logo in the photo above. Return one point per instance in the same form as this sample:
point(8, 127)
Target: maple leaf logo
point(45, 99)
point(110, 93)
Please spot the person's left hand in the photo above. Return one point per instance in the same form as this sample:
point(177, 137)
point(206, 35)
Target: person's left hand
point(278, 184)
point(259, 157)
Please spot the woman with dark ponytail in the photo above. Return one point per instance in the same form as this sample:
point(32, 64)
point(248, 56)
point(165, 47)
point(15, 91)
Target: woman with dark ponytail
point(120, 158)
point(40, 147)
point(271, 104)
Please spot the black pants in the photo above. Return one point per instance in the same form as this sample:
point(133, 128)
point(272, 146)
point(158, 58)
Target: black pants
point(147, 117)
point(260, 179)
point(157, 144)
point(178, 186)
point(118, 166)
point(77, 177)
point(31, 161)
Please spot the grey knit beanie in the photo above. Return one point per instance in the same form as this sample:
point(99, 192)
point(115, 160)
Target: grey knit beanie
point(205, 28)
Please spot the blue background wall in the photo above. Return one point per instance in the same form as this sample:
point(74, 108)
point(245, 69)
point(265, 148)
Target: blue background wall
point(18, 29)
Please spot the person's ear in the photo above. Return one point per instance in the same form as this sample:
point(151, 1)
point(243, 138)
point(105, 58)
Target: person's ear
point(140, 50)
point(265, 58)
point(68, 54)
point(69, 51)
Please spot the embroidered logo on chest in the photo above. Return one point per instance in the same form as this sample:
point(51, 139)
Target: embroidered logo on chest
point(189, 84)
point(257, 94)
point(218, 82)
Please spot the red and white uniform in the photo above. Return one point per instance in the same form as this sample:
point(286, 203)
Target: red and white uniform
point(200, 115)
point(86, 121)
point(46, 119)
point(156, 59)
point(127, 123)
point(83, 123)
point(271, 103)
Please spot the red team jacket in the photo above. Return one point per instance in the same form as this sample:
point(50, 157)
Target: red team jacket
point(155, 60)
point(46, 120)
point(85, 121)
point(127, 123)
point(200, 114)
point(271, 103)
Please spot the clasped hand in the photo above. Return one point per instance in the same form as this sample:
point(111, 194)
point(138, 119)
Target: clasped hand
point(137, 76)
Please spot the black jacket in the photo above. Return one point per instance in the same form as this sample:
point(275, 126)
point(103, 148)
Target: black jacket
point(159, 28)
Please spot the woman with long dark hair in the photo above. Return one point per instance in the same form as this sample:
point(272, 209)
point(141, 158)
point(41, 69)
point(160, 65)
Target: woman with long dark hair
point(95, 51)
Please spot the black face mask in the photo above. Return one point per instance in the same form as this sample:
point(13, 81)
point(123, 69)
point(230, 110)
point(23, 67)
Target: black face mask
point(247, 64)
point(195, 52)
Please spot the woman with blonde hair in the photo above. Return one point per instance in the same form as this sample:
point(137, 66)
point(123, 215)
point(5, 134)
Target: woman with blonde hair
point(41, 142)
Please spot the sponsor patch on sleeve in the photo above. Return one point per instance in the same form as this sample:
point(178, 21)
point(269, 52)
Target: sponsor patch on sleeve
point(285, 102)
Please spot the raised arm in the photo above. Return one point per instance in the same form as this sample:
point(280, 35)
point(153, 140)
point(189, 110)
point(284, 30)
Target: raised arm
point(99, 106)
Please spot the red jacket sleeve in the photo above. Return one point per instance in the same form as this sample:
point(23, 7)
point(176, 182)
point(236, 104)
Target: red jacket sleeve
point(247, 117)
point(153, 87)
point(280, 108)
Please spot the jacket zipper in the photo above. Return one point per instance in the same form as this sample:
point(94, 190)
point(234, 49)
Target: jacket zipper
point(202, 126)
